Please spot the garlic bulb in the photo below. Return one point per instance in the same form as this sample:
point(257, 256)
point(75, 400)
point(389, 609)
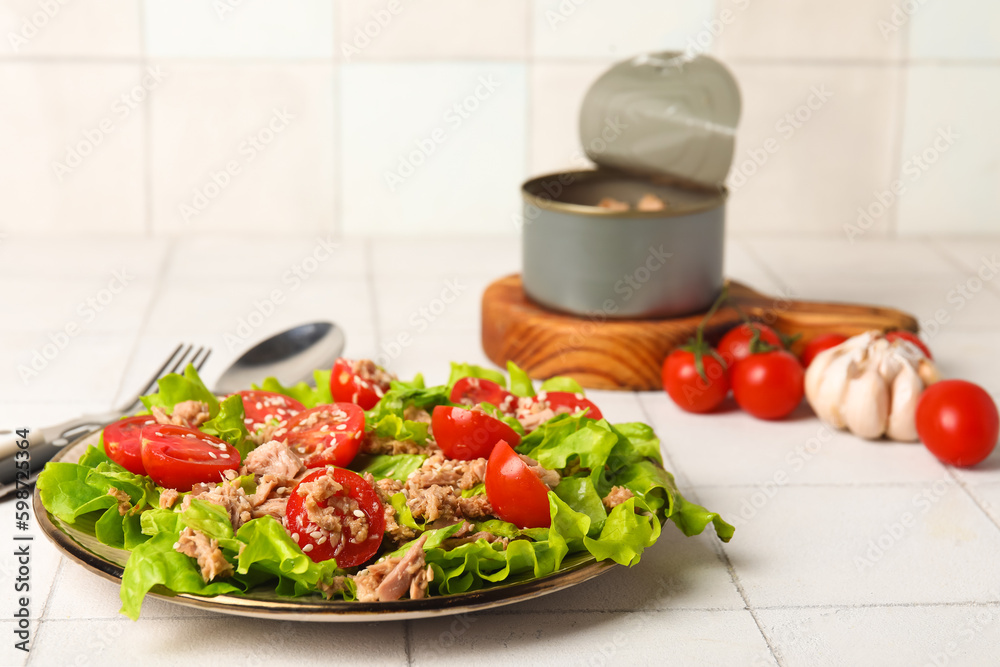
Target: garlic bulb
point(870, 386)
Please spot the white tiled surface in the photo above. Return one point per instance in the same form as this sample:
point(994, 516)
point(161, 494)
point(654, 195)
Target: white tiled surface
point(822, 569)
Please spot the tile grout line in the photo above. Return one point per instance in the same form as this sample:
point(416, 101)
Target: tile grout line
point(896, 162)
point(338, 162)
point(975, 499)
point(721, 554)
point(408, 643)
point(154, 296)
point(372, 291)
point(147, 127)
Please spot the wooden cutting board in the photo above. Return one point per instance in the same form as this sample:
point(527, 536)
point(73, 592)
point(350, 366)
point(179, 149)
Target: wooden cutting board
point(627, 354)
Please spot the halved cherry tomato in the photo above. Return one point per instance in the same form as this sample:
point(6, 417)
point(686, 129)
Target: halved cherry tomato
point(913, 338)
point(469, 434)
point(768, 385)
point(355, 494)
point(123, 442)
point(260, 407)
point(818, 344)
point(327, 434)
point(356, 382)
point(517, 495)
point(473, 391)
point(567, 401)
point(958, 422)
point(178, 457)
point(735, 345)
point(685, 385)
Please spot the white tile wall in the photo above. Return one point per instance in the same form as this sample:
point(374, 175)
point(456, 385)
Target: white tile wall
point(949, 164)
point(432, 147)
point(403, 29)
point(371, 76)
point(96, 28)
point(243, 148)
point(960, 29)
point(238, 28)
point(780, 30)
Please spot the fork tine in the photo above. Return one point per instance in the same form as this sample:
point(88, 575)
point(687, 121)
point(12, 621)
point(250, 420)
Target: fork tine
point(180, 364)
point(198, 363)
point(161, 371)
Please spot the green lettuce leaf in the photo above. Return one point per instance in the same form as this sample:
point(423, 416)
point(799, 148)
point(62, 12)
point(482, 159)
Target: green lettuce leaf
point(398, 466)
point(228, 425)
point(520, 383)
point(394, 426)
point(562, 383)
point(174, 388)
point(459, 371)
point(625, 535)
point(309, 396)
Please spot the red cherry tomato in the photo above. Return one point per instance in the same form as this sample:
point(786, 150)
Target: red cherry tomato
point(473, 391)
point(354, 494)
point(360, 382)
point(958, 422)
point(685, 385)
point(326, 434)
point(123, 442)
point(818, 344)
point(912, 337)
point(768, 385)
point(177, 457)
point(735, 345)
point(469, 434)
point(516, 493)
point(567, 401)
point(260, 407)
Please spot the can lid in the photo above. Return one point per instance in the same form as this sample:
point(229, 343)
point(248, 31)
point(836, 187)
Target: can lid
point(663, 115)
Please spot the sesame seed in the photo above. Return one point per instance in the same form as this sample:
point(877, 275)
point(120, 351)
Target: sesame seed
point(307, 548)
point(321, 540)
point(316, 534)
point(176, 544)
point(358, 513)
point(341, 427)
point(260, 405)
point(295, 536)
point(213, 455)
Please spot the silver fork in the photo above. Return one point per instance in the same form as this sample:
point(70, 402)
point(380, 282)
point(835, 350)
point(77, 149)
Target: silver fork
point(44, 443)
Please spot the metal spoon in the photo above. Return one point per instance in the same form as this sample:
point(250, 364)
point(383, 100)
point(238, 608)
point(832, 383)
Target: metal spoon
point(290, 356)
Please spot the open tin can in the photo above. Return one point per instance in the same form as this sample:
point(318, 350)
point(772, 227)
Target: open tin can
point(640, 236)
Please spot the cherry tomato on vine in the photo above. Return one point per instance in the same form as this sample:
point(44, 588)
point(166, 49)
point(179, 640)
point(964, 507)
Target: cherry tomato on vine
point(768, 385)
point(818, 344)
point(958, 422)
point(735, 345)
point(912, 337)
point(686, 386)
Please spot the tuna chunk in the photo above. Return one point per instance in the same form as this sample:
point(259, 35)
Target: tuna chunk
point(331, 513)
point(395, 577)
point(186, 413)
point(228, 495)
point(616, 497)
point(276, 459)
point(168, 498)
point(124, 502)
point(374, 444)
point(434, 491)
point(549, 477)
point(197, 545)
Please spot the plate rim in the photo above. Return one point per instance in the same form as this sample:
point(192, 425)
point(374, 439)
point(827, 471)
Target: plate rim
point(313, 608)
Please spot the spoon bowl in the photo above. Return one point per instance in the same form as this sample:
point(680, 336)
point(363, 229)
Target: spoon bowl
point(290, 356)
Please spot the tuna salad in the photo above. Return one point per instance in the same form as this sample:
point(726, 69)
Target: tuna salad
point(366, 488)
